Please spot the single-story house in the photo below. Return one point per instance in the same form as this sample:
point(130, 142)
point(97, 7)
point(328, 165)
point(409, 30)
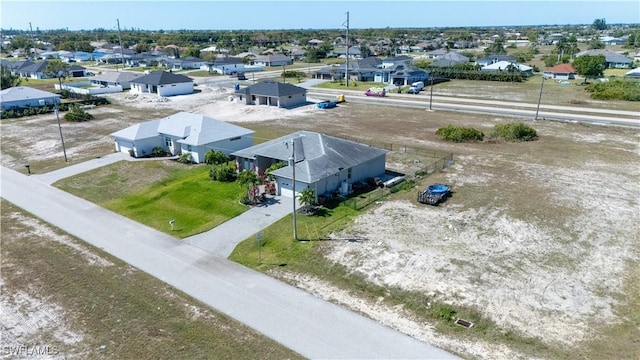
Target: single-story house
point(115, 78)
point(19, 97)
point(183, 133)
point(450, 59)
point(492, 59)
point(162, 83)
point(561, 72)
point(224, 65)
point(272, 60)
point(504, 66)
point(274, 93)
point(323, 163)
point(633, 74)
point(189, 62)
point(613, 59)
point(436, 54)
point(77, 71)
point(401, 74)
point(31, 70)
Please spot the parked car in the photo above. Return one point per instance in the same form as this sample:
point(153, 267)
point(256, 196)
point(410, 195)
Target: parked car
point(413, 91)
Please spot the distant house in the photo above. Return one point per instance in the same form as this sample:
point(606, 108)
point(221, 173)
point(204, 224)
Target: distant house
point(183, 133)
point(401, 74)
point(272, 60)
point(492, 59)
point(450, 59)
point(224, 65)
point(633, 74)
point(505, 65)
point(323, 163)
point(19, 97)
point(115, 78)
point(560, 72)
point(31, 70)
point(436, 54)
point(298, 54)
point(274, 93)
point(186, 63)
point(612, 59)
point(314, 42)
point(77, 71)
point(162, 83)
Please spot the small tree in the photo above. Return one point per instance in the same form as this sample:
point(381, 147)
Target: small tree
point(600, 24)
point(57, 68)
point(8, 79)
point(590, 66)
point(185, 158)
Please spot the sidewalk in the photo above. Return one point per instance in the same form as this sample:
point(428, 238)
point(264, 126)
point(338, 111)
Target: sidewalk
point(222, 239)
point(53, 176)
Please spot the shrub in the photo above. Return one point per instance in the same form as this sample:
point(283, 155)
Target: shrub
point(76, 114)
point(214, 157)
point(185, 158)
point(459, 134)
point(514, 132)
point(615, 89)
point(444, 312)
point(158, 151)
point(225, 173)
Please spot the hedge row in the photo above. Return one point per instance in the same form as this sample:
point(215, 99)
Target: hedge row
point(17, 113)
point(509, 132)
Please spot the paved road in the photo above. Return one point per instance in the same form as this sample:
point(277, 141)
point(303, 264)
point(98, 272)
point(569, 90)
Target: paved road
point(524, 110)
point(300, 321)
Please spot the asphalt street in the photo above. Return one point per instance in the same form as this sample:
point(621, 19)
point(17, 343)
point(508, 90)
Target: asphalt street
point(308, 325)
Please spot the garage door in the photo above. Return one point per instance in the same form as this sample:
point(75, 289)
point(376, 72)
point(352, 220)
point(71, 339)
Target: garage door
point(284, 188)
point(125, 146)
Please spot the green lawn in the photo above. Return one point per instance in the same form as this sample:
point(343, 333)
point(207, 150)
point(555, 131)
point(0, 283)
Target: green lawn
point(154, 192)
point(196, 203)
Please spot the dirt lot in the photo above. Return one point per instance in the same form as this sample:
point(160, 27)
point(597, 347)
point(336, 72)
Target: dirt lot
point(541, 237)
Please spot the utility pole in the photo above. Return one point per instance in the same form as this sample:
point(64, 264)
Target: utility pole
point(33, 43)
point(55, 109)
point(431, 91)
point(346, 70)
point(539, 99)
point(121, 50)
point(293, 163)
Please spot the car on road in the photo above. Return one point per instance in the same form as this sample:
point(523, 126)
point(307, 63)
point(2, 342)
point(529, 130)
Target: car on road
point(413, 91)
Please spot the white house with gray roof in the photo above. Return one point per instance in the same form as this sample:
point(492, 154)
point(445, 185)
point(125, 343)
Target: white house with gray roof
point(183, 133)
point(19, 97)
point(162, 83)
point(323, 163)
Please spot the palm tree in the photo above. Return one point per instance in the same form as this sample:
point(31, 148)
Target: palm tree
point(307, 198)
point(249, 179)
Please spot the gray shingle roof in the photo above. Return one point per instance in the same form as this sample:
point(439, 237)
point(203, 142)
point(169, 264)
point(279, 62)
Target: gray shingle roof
point(273, 88)
point(162, 78)
point(610, 56)
point(317, 155)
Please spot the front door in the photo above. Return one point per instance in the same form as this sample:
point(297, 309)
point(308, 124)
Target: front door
point(170, 147)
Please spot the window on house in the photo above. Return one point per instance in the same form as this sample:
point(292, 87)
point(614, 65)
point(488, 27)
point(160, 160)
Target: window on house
point(188, 147)
point(349, 173)
point(235, 138)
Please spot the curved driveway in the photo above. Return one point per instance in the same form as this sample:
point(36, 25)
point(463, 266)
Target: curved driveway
point(310, 326)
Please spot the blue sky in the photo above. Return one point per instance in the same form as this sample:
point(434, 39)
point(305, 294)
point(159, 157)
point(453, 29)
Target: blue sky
point(278, 14)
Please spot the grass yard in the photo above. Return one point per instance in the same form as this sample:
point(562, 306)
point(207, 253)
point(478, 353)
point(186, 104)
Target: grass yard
point(83, 303)
point(353, 85)
point(185, 195)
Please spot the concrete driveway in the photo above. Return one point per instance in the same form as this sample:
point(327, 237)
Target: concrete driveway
point(310, 326)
